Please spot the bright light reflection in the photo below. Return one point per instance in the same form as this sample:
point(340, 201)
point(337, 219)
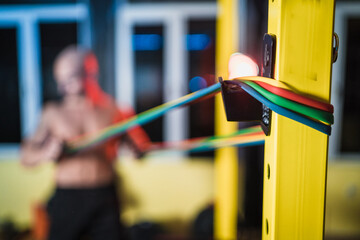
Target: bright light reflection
point(241, 65)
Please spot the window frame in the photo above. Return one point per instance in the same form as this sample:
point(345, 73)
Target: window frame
point(343, 11)
point(174, 17)
point(26, 19)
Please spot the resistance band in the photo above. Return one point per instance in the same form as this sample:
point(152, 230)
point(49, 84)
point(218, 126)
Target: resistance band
point(242, 137)
point(140, 119)
point(297, 98)
point(285, 112)
point(241, 141)
point(278, 87)
point(269, 81)
point(279, 99)
point(283, 102)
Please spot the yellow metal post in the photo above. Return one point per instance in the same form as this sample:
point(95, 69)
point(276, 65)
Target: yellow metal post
point(296, 155)
point(226, 165)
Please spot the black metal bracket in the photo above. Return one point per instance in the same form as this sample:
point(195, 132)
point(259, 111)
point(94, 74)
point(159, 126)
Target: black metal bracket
point(239, 105)
point(267, 70)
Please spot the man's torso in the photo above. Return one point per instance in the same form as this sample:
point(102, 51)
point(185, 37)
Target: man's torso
point(92, 167)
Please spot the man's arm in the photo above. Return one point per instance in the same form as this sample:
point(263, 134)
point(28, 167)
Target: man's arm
point(136, 136)
point(42, 146)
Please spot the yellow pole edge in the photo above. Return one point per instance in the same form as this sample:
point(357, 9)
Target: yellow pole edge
point(226, 165)
point(295, 161)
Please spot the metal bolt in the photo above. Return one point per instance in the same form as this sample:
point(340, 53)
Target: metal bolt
point(266, 55)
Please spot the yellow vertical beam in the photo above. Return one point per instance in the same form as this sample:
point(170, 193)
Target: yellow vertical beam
point(296, 155)
point(226, 165)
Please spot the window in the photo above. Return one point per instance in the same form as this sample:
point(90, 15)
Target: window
point(173, 24)
point(10, 127)
point(350, 130)
point(54, 38)
point(28, 44)
point(201, 47)
point(148, 47)
point(344, 141)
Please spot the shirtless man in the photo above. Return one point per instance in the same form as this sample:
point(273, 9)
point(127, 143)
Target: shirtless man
point(85, 200)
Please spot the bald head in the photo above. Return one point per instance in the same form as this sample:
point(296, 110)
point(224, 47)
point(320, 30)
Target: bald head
point(69, 70)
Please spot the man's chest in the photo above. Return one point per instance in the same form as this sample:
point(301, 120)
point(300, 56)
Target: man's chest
point(70, 124)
